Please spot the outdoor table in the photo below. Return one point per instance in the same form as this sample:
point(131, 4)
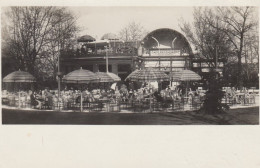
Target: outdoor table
point(185, 99)
point(149, 99)
point(5, 100)
point(106, 102)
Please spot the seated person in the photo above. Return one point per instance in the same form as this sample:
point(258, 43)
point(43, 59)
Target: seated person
point(103, 93)
point(34, 101)
point(78, 99)
point(158, 96)
point(88, 98)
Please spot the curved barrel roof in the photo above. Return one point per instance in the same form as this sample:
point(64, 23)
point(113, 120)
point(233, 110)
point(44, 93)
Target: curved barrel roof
point(166, 38)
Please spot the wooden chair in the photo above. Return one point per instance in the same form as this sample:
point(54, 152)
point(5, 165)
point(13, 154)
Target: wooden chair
point(114, 107)
point(157, 105)
point(196, 103)
point(178, 104)
point(137, 105)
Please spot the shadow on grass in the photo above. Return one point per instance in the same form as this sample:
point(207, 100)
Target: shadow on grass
point(232, 117)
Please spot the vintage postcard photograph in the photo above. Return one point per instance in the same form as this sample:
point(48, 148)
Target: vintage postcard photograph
point(132, 84)
point(119, 65)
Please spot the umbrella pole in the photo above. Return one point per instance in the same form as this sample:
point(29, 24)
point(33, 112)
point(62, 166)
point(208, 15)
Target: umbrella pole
point(150, 97)
point(186, 89)
point(81, 102)
point(150, 102)
point(19, 105)
point(19, 100)
point(81, 106)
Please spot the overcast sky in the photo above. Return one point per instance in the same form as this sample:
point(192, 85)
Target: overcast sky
point(96, 21)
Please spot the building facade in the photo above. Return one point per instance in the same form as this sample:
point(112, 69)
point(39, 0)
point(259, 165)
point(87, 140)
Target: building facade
point(164, 49)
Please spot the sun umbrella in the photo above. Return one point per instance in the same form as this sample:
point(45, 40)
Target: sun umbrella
point(86, 38)
point(132, 74)
point(109, 36)
point(184, 75)
point(108, 77)
point(148, 75)
point(19, 77)
point(81, 76)
point(114, 77)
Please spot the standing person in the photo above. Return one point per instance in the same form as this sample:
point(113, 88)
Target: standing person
point(34, 103)
point(83, 51)
point(131, 86)
point(158, 96)
point(78, 52)
point(131, 94)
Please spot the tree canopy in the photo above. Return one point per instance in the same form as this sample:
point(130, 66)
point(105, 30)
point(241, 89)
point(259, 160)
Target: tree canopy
point(34, 36)
point(132, 32)
point(224, 32)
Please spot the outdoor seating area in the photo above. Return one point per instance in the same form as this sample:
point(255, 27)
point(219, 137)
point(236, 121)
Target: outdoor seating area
point(120, 98)
point(243, 97)
point(141, 100)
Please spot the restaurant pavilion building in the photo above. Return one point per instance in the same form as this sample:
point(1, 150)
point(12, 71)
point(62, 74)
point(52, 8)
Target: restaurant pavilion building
point(164, 49)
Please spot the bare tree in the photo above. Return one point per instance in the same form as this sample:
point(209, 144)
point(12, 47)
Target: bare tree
point(60, 39)
point(236, 23)
point(132, 32)
point(223, 30)
point(32, 34)
point(208, 41)
point(28, 30)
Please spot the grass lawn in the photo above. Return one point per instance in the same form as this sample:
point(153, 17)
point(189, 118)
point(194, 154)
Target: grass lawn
point(248, 116)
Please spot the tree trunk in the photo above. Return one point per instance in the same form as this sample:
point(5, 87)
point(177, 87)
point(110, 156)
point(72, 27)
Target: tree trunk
point(239, 71)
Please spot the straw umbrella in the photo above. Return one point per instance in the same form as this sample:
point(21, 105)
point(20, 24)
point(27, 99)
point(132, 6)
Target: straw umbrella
point(19, 77)
point(80, 76)
point(184, 75)
point(86, 38)
point(107, 77)
point(148, 75)
point(114, 77)
point(109, 36)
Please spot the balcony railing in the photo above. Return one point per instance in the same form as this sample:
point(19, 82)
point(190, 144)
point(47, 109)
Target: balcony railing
point(100, 53)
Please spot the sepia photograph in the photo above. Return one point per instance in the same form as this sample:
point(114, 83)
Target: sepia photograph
point(136, 65)
point(127, 83)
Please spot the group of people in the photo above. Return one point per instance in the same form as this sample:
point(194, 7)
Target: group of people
point(239, 96)
point(38, 99)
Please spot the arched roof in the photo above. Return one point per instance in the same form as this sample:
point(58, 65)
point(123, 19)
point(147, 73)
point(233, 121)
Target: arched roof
point(166, 38)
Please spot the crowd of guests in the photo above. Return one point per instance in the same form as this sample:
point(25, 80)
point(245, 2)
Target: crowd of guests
point(243, 96)
point(49, 98)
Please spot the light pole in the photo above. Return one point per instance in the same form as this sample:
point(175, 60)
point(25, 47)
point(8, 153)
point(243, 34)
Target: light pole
point(106, 47)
